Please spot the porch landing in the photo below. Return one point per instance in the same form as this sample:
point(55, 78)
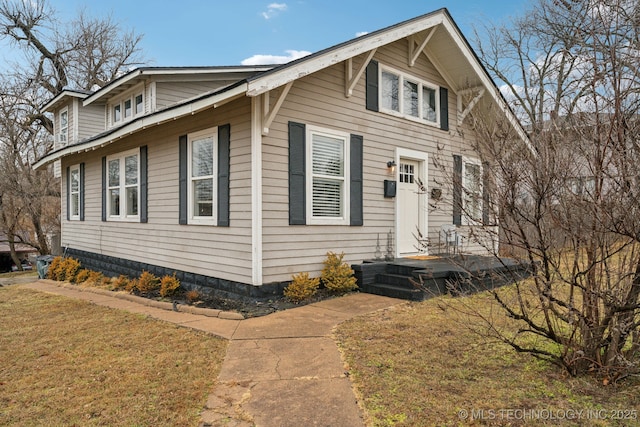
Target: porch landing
point(420, 279)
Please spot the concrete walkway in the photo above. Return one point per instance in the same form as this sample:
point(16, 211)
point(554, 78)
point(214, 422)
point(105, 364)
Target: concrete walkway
point(283, 369)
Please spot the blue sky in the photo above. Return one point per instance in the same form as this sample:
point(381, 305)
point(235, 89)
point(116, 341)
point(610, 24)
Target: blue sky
point(216, 32)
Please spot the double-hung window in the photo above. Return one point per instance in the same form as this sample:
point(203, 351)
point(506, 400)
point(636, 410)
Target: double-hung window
point(74, 192)
point(63, 135)
point(408, 97)
point(472, 190)
point(123, 186)
point(327, 177)
point(202, 170)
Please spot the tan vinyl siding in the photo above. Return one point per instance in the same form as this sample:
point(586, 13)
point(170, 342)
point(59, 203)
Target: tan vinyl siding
point(223, 252)
point(170, 93)
point(91, 120)
point(319, 100)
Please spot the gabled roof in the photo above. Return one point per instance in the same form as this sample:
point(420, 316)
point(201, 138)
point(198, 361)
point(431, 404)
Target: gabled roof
point(124, 82)
point(436, 34)
point(63, 96)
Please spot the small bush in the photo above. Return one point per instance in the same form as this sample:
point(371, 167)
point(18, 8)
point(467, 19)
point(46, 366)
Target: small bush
point(336, 275)
point(169, 285)
point(131, 286)
point(121, 282)
point(83, 275)
point(148, 282)
point(71, 267)
point(192, 296)
point(95, 278)
point(301, 287)
point(54, 266)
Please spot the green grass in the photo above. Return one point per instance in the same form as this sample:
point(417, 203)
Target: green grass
point(68, 362)
point(419, 364)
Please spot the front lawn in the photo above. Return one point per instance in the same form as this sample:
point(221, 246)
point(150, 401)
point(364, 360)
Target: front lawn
point(67, 362)
point(418, 364)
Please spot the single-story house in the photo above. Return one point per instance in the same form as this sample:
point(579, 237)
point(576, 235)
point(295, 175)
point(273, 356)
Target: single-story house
point(237, 177)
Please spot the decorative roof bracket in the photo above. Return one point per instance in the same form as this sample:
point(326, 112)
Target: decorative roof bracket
point(462, 114)
point(351, 80)
point(269, 114)
point(415, 53)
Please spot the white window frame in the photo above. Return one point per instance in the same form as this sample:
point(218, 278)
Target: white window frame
point(74, 216)
point(345, 137)
point(63, 133)
point(122, 187)
point(120, 103)
point(402, 77)
point(192, 218)
point(467, 219)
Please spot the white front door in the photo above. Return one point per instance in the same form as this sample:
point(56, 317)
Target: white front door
point(411, 212)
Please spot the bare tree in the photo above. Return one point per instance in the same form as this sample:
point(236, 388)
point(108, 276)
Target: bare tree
point(83, 54)
point(569, 206)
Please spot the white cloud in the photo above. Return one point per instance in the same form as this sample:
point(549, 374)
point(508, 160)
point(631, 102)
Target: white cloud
point(275, 59)
point(362, 33)
point(273, 9)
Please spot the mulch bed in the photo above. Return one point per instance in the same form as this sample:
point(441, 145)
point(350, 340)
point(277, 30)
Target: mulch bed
point(248, 308)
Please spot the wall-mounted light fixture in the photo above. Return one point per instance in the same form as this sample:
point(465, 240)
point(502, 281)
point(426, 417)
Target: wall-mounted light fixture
point(391, 165)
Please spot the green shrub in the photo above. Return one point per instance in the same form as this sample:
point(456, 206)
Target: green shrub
point(336, 275)
point(169, 285)
point(147, 282)
point(301, 287)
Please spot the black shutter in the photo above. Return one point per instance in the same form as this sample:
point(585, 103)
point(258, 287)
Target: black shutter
point(372, 86)
point(81, 190)
point(355, 170)
point(444, 108)
point(104, 188)
point(144, 176)
point(297, 190)
point(68, 193)
point(182, 179)
point(485, 193)
point(224, 139)
point(457, 189)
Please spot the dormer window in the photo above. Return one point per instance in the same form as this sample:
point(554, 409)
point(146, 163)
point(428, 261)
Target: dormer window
point(127, 108)
point(139, 104)
point(117, 113)
point(63, 136)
